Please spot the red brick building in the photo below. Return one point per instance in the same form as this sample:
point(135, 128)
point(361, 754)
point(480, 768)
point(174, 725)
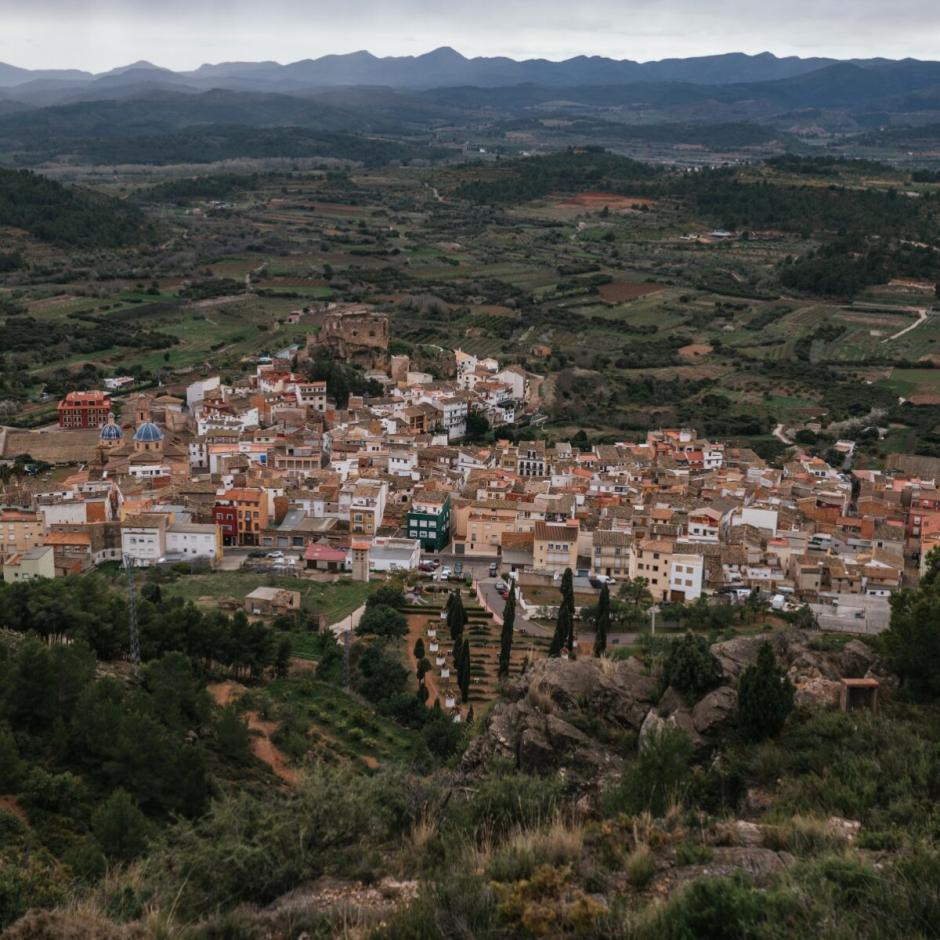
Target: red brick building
point(84, 410)
point(226, 518)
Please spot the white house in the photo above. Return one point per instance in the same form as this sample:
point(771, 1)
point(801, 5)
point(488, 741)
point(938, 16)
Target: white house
point(686, 573)
point(143, 538)
point(192, 540)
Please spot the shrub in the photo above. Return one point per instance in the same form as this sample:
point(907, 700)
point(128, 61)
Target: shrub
point(690, 667)
point(120, 827)
point(641, 866)
point(658, 777)
point(765, 697)
point(382, 621)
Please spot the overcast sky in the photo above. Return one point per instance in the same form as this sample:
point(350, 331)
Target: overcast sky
point(180, 34)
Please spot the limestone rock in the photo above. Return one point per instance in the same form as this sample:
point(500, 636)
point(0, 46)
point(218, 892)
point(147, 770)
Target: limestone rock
point(716, 710)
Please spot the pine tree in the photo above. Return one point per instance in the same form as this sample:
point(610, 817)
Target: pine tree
point(602, 622)
point(765, 697)
point(463, 671)
point(505, 640)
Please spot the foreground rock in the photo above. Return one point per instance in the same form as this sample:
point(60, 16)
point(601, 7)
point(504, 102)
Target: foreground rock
point(580, 717)
point(815, 673)
point(563, 715)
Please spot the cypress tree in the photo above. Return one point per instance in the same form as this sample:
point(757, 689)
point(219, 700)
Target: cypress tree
point(505, 639)
point(463, 671)
point(456, 616)
point(602, 622)
point(563, 628)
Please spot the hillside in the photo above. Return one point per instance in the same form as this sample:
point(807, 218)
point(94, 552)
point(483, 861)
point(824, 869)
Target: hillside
point(67, 216)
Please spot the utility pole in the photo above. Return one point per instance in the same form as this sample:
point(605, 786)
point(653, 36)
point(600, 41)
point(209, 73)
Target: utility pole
point(132, 611)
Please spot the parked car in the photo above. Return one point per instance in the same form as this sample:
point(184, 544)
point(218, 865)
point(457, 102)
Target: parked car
point(257, 553)
point(427, 566)
point(494, 568)
point(275, 555)
point(458, 568)
point(501, 586)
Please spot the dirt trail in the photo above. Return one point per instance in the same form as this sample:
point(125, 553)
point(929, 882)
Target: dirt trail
point(9, 804)
point(261, 744)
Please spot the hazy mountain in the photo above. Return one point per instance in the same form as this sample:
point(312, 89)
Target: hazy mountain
point(445, 67)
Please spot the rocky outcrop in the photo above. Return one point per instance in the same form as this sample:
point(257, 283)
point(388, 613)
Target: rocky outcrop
point(575, 715)
point(567, 716)
point(815, 673)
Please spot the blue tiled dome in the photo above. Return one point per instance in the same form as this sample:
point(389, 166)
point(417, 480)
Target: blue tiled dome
point(148, 433)
point(111, 432)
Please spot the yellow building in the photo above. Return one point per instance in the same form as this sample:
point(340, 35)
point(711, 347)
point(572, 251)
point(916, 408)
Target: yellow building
point(20, 531)
point(555, 547)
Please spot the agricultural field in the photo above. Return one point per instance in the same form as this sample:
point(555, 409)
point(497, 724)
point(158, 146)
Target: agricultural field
point(628, 298)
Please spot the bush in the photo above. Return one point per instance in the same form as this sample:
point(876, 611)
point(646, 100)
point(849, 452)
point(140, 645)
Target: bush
point(659, 776)
point(120, 827)
point(690, 667)
point(388, 595)
point(382, 621)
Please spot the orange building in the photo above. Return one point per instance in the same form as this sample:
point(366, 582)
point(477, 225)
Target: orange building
point(251, 513)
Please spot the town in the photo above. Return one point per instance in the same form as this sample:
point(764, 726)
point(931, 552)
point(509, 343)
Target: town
point(270, 472)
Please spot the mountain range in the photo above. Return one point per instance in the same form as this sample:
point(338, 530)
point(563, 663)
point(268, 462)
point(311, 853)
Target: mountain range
point(442, 67)
point(53, 112)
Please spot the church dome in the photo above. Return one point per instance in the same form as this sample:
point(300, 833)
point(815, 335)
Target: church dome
point(110, 431)
point(148, 433)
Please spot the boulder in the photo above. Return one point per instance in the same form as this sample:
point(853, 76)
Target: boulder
point(617, 692)
point(845, 830)
point(816, 692)
point(715, 711)
point(655, 724)
point(738, 832)
point(567, 715)
point(856, 659)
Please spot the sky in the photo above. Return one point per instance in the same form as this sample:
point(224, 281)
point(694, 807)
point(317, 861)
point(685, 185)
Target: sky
point(181, 34)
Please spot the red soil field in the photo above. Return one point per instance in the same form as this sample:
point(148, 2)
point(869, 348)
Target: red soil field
point(596, 200)
point(618, 292)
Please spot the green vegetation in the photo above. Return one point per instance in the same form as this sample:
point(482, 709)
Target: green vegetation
point(68, 217)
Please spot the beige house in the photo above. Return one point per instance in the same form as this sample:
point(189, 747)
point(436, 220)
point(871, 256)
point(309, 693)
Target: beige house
point(480, 527)
point(20, 531)
point(611, 552)
point(555, 547)
point(270, 601)
point(25, 566)
point(652, 560)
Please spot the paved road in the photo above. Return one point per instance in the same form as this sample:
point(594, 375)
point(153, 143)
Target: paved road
point(496, 603)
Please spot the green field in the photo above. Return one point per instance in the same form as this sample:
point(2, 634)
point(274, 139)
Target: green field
point(336, 600)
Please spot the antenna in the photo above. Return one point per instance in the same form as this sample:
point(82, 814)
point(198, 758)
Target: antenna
point(132, 611)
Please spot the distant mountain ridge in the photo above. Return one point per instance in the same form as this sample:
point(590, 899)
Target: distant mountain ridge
point(439, 68)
